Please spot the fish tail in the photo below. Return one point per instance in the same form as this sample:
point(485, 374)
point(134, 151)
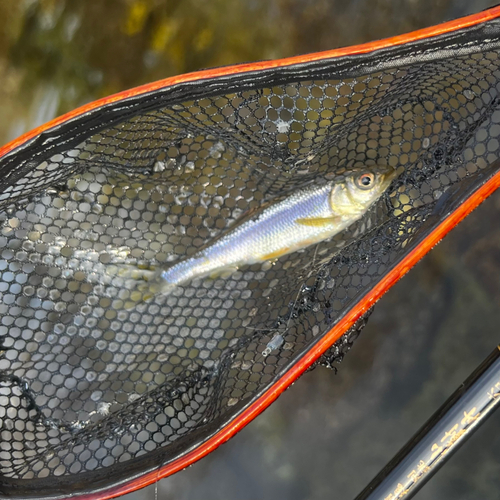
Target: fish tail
point(145, 292)
point(164, 281)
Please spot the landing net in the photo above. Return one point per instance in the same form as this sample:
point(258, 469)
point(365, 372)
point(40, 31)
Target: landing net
point(95, 393)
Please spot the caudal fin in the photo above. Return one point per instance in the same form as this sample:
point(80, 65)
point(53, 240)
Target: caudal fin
point(145, 292)
point(144, 284)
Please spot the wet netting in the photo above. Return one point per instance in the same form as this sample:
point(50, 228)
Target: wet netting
point(98, 388)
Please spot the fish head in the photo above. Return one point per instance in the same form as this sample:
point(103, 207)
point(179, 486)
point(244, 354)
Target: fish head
point(359, 189)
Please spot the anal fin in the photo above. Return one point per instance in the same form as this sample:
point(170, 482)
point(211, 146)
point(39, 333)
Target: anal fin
point(276, 254)
point(319, 221)
point(223, 272)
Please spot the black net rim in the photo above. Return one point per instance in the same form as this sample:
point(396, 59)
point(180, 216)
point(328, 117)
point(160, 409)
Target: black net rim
point(467, 35)
point(470, 34)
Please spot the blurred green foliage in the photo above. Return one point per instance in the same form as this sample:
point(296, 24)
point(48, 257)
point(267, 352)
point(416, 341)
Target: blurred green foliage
point(58, 54)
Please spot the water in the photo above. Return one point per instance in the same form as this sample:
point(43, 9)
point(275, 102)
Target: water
point(328, 435)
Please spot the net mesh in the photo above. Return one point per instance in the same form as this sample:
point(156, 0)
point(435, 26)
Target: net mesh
point(90, 388)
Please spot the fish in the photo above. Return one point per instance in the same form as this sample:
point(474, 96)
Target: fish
point(306, 217)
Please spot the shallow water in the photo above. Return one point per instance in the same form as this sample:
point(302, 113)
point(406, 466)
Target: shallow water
point(328, 435)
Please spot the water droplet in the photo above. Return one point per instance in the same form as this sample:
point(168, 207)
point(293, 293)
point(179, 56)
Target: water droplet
point(282, 126)
point(159, 166)
point(469, 94)
point(96, 395)
point(97, 208)
point(103, 408)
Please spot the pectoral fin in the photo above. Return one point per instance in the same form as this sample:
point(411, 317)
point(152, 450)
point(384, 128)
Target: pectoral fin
point(319, 221)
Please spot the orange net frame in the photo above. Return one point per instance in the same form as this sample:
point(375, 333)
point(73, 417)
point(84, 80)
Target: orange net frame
point(98, 399)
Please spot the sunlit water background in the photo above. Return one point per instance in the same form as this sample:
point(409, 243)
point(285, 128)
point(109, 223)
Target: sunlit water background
point(329, 434)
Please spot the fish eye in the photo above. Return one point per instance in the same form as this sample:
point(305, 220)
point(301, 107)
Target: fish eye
point(365, 180)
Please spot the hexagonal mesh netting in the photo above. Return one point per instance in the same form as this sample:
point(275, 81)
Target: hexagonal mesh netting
point(93, 388)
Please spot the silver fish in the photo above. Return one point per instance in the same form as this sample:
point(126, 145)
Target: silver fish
point(306, 217)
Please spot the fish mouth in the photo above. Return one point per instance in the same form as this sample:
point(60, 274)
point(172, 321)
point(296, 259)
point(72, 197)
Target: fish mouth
point(388, 173)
